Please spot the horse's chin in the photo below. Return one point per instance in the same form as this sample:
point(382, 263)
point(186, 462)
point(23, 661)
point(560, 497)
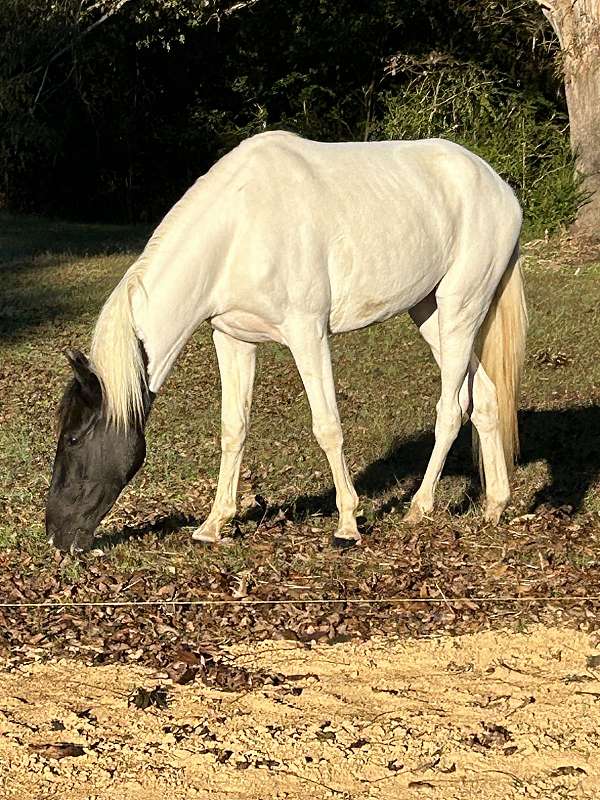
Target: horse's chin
point(79, 542)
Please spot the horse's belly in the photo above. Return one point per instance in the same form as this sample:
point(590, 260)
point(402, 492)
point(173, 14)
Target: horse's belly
point(362, 302)
point(248, 327)
point(386, 263)
point(363, 313)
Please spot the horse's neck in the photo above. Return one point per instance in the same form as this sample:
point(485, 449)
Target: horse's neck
point(175, 290)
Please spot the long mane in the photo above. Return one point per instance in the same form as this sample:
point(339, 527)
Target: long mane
point(115, 353)
point(117, 357)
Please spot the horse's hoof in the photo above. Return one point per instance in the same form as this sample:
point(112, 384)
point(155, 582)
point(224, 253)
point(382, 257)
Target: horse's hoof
point(413, 516)
point(345, 543)
point(206, 537)
point(493, 512)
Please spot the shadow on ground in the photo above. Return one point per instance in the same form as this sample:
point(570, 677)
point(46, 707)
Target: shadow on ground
point(32, 249)
point(161, 528)
point(567, 440)
point(31, 294)
point(23, 237)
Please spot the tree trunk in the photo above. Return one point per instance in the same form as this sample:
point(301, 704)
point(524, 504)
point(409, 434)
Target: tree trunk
point(577, 25)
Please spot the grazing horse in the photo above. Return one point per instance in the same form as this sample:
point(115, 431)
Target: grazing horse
point(290, 240)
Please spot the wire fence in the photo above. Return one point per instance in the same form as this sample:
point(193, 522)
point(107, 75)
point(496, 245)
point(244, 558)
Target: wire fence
point(243, 601)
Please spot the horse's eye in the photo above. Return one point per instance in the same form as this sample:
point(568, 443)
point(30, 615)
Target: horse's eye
point(72, 440)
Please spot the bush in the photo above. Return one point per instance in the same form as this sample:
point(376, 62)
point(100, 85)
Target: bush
point(115, 125)
point(520, 135)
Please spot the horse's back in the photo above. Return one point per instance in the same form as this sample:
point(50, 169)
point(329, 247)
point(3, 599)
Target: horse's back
point(366, 229)
point(283, 165)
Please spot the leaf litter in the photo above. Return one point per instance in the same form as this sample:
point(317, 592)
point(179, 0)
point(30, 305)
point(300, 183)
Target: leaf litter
point(183, 641)
point(279, 553)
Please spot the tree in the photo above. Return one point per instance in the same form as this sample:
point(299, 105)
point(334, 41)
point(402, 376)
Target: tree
point(109, 109)
point(577, 26)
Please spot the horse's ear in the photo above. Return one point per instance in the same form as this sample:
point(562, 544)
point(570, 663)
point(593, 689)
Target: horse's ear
point(85, 376)
point(80, 364)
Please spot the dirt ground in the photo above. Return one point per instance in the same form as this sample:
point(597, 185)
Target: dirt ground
point(492, 715)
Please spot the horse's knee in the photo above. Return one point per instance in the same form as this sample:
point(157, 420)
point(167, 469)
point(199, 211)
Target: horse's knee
point(233, 436)
point(328, 436)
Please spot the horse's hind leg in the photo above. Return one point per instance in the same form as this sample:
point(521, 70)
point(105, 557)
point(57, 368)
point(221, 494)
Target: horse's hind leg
point(485, 418)
point(477, 398)
point(310, 349)
point(457, 326)
point(236, 366)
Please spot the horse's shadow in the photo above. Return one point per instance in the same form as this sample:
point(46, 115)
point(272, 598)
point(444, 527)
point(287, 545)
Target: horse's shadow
point(567, 440)
point(161, 528)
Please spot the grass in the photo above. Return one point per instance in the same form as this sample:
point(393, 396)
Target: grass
point(55, 277)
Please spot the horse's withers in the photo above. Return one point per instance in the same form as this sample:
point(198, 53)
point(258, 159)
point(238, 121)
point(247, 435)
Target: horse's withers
point(94, 461)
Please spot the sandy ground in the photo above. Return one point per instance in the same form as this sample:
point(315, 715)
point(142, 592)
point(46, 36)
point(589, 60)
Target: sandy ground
point(491, 716)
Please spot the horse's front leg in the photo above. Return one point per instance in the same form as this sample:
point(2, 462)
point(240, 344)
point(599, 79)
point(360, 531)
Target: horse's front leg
point(236, 366)
point(310, 349)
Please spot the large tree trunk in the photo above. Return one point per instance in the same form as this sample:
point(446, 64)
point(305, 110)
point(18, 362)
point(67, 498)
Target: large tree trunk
point(577, 25)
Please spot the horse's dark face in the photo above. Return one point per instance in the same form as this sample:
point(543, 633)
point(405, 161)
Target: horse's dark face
point(94, 461)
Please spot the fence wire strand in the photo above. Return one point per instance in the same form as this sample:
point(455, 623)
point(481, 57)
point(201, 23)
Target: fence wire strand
point(243, 601)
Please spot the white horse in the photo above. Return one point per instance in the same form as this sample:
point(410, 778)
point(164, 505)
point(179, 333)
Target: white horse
point(290, 240)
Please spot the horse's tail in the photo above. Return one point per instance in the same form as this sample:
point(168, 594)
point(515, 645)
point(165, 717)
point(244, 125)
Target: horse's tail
point(500, 346)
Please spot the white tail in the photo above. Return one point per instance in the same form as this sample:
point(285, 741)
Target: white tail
point(500, 346)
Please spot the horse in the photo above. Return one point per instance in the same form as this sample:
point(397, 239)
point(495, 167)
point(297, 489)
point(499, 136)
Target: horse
point(290, 240)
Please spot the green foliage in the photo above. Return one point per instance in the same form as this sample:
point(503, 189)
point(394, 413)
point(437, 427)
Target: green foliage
point(520, 135)
point(111, 109)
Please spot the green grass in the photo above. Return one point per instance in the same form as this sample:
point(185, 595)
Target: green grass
point(55, 277)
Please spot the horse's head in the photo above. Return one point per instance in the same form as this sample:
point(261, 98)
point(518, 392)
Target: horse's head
point(94, 461)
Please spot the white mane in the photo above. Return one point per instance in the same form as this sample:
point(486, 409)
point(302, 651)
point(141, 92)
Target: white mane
point(115, 352)
point(116, 355)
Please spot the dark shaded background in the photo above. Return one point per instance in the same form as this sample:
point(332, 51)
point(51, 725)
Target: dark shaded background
point(115, 124)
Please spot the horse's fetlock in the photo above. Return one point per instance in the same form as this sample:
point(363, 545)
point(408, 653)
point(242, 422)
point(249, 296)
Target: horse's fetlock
point(495, 507)
point(227, 512)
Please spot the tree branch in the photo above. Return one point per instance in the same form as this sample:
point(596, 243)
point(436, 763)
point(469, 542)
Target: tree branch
point(232, 9)
point(110, 13)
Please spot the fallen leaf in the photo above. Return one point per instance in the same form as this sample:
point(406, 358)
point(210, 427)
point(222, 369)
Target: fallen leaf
point(58, 750)
point(568, 770)
point(143, 698)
